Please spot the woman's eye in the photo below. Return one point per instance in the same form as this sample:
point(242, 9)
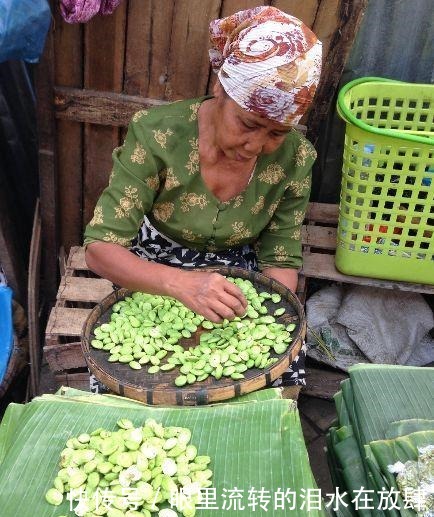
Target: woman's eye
point(247, 125)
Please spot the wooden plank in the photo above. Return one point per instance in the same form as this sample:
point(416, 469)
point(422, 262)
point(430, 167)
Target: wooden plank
point(33, 302)
point(229, 7)
point(80, 381)
point(319, 237)
point(103, 70)
point(323, 213)
point(189, 67)
point(339, 45)
point(104, 108)
point(64, 357)
point(159, 51)
point(306, 11)
point(44, 81)
point(138, 47)
point(68, 46)
point(322, 383)
point(66, 321)
point(76, 259)
point(70, 181)
point(76, 289)
point(326, 21)
point(99, 107)
point(318, 265)
point(148, 47)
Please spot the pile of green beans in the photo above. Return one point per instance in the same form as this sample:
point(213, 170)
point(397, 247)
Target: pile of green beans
point(145, 328)
point(151, 463)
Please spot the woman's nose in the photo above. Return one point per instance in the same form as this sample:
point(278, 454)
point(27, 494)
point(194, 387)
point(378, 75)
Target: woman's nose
point(254, 144)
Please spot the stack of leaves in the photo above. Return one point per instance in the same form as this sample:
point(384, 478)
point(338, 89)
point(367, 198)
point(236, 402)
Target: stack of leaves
point(258, 456)
point(385, 426)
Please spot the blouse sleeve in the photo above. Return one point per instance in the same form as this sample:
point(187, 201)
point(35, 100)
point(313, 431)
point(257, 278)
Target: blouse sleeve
point(132, 188)
point(279, 244)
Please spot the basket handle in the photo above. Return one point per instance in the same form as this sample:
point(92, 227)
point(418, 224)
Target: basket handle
point(344, 112)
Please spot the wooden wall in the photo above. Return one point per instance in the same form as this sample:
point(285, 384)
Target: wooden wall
point(94, 76)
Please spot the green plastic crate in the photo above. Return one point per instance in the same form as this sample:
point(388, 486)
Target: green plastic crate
point(386, 212)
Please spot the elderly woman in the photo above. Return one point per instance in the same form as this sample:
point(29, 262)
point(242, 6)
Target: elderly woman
point(221, 179)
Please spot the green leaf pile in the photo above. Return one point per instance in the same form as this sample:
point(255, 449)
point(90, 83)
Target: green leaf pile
point(385, 416)
point(255, 442)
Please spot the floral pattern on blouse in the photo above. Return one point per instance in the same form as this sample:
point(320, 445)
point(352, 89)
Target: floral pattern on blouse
point(304, 152)
point(171, 181)
point(98, 217)
point(126, 203)
point(153, 182)
point(164, 182)
point(139, 154)
point(188, 201)
point(240, 233)
point(137, 116)
point(258, 206)
point(163, 211)
point(193, 163)
point(272, 174)
point(194, 109)
point(161, 138)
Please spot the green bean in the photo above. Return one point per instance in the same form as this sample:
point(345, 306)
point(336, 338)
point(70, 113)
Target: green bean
point(144, 329)
point(155, 457)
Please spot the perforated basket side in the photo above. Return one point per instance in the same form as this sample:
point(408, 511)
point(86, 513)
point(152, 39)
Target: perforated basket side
point(386, 215)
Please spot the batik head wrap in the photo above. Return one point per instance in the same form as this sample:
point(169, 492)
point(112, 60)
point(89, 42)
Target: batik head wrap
point(267, 61)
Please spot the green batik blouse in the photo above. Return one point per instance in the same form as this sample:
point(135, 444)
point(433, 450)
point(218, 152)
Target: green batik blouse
point(157, 172)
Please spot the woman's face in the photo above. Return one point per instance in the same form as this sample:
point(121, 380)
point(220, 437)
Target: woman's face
point(242, 135)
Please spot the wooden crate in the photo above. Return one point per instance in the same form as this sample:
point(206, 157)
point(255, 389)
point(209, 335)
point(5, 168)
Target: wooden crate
point(80, 290)
point(319, 245)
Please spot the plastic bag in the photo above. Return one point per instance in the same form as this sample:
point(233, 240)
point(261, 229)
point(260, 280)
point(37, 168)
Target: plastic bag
point(23, 27)
point(6, 329)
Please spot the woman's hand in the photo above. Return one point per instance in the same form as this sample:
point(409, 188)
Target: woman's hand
point(210, 295)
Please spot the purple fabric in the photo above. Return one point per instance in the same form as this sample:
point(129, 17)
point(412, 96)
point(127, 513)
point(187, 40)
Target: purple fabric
point(108, 6)
point(79, 11)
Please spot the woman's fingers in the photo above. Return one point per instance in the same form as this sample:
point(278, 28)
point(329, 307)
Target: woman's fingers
point(225, 298)
point(212, 295)
point(237, 299)
point(234, 306)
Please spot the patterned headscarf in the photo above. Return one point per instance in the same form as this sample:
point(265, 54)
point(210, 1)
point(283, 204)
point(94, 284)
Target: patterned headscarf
point(267, 61)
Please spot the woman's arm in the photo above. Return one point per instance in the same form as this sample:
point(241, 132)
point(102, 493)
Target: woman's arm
point(206, 293)
point(286, 276)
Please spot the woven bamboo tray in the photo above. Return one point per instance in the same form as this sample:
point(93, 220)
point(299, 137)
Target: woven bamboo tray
point(159, 388)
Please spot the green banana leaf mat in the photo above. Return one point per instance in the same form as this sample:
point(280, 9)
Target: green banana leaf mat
point(255, 442)
point(385, 413)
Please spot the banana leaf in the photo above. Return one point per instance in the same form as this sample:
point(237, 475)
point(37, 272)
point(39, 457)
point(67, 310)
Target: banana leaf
point(403, 448)
point(382, 453)
point(8, 426)
point(252, 444)
point(385, 393)
point(378, 481)
point(339, 477)
point(341, 409)
point(264, 394)
point(404, 427)
point(369, 404)
point(353, 472)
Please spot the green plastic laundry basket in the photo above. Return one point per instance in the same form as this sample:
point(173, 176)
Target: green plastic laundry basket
point(386, 211)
